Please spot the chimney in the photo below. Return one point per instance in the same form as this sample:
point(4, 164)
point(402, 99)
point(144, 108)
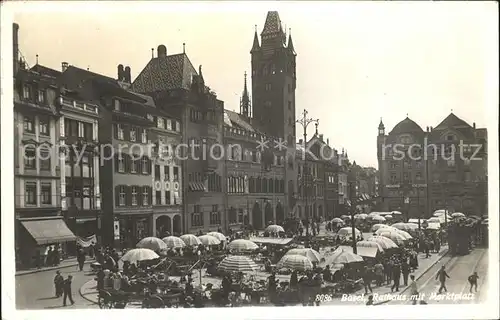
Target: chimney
point(162, 51)
point(120, 72)
point(427, 129)
point(328, 141)
point(127, 75)
point(15, 45)
point(64, 66)
point(301, 141)
point(321, 137)
point(474, 125)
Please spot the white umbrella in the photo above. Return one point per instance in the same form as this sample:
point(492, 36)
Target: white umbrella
point(378, 218)
point(190, 240)
point(457, 215)
point(309, 253)
point(369, 244)
point(434, 219)
point(361, 216)
point(393, 235)
point(405, 234)
point(344, 216)
point(174, 242)
point(275, 228)
point(396, 213)
point(209, 240)
point(415, 221)
point(295, 262)
point(412, 226)
point(342, 256)
point(384, 242)
point(388, 217)
point(399, 226)
point(238, 264)
point(337, 220)
point(440, 212)
point(152, 243)
point(217, 235)
point(373, 214)
point(384, 213)
point(139, 254)
point(377, 226)
point(348, 231)
point(242, 245)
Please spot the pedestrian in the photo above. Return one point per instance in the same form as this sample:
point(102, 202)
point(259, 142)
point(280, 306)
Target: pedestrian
point(67, 290)
point(379, 274)
point(473, 281)
point(58, 283)
point(81, 259)
point(370, 300)
point(405, 270)
point(427, 248)
point(367, 279)
point(396, 276)
point(413, 290)
point(442, 275)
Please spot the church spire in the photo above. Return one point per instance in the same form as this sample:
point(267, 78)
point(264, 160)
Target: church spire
point(256, 45)
point(290, 42)
point(245, 101)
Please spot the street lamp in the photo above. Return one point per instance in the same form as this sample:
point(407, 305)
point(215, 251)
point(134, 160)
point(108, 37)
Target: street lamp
point(353, 208)
point(305, 121)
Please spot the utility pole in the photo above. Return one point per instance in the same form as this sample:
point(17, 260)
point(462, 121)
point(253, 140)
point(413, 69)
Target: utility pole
point(305, 121)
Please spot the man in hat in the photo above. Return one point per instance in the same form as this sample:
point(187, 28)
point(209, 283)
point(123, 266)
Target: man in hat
point(442, 275)
point(58, 283)
point(67, 290)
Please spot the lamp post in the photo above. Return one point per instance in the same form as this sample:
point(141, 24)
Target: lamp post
point(305, 121)
point(353, 208)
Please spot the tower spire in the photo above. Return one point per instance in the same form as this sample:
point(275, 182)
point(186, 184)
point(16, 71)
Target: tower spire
point(290, 42)
point(245, 100)
point(256, 45)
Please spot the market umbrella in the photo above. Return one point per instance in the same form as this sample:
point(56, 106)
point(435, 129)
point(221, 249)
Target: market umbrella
point(190, 240)
point(174, 242)
point(275, 228)
point(209, 240)
point(457, 215)
point(217, 235)
point(242, 245)
point(139, 254)
point(378, 218)
point(405, 234)
point(361, 216)
point(342, 256)
point(373, 214)
point(238, 264)
point(377, 226)
point(348, 231)
point(384, 242)
point(384, 213)
point(412, 225)
point(393, 235)
point(369, 244)
point(345, 217)
point(295, 262)
point(309, 253)
point(337, 220)
point(388, 217)
point(434, 220)
point(152, 243)
point(397, 213)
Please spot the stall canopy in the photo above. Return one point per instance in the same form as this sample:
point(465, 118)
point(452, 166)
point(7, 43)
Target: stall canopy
point(362, 251)
point(281, 241)
point(49, 231)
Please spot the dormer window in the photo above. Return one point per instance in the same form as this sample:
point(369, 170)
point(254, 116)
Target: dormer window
point(450, 137)
point(160, 123)
point(117, 105)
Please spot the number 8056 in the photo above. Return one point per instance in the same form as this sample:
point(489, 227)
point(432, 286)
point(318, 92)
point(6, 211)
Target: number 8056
point(324, 297)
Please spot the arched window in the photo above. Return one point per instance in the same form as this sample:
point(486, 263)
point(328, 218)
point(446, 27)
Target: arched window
point(264, 185)
point(277, 186)
point(258, 186)
point(271, 186)
point(251, 185)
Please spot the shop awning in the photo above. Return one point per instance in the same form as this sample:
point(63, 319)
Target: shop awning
point(196, 186)
point(49, 231)
point(265, 240)
point(368, 252)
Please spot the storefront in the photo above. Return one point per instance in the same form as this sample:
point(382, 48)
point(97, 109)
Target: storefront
point(132, 228)
point(165, 224)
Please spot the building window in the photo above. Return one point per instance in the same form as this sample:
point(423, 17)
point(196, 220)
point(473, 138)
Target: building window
point(122, 194)
point(167, 197)
point(44, 159)
point(214, 218)
point(160, 123)
point(418, 176)
point(393, 178)
point(121, 163)
point(158, 197)
point(117, 105)
point(133, 134)
point(133, 164)
point(196, 216)
point(144, 136)
point(119, 129)
point(145, 165)
point(30, 193)
point(29, 158)
point(27, 92)
point(240, 215)
point(41, 96)
point(268, 87)
point(467, 176)
point(43, 125)
point(81, 130)
point(176, 173)
point(134, 196)
point(145, 196)
point(46, 193)
point(29, 124)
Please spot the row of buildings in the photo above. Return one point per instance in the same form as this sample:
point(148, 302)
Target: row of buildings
point(126, 159)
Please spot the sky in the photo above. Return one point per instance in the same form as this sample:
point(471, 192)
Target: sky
point(357, 62)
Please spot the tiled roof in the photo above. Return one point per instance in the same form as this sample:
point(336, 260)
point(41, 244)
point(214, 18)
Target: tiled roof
point(406, 126)
point(165, 73)
point(273, 23)
point(452, 121)
point(46, 71)
point(232, 119)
